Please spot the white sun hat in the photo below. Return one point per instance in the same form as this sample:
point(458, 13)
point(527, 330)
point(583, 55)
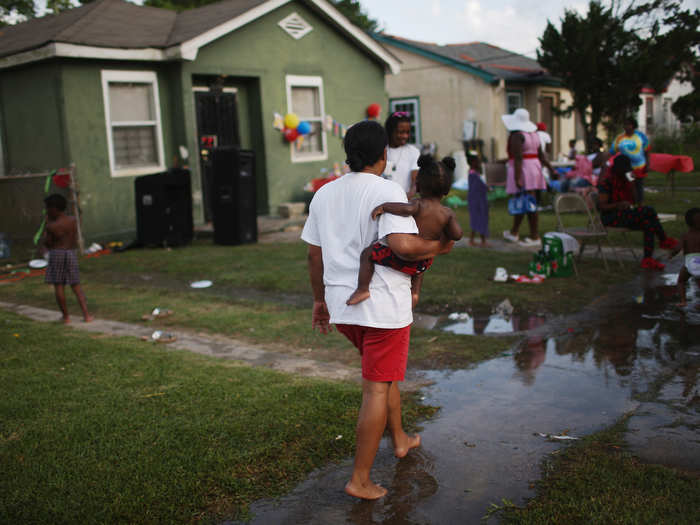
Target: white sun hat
point(519, 121)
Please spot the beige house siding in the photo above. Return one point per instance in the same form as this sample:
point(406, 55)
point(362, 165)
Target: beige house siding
point(449, 96)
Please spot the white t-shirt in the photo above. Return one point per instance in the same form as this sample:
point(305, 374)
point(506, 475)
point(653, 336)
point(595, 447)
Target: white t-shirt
point(340, 223)
point(544, 139)
point(400, 162)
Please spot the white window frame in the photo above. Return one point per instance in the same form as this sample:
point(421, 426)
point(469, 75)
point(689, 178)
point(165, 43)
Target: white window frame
point(415, 123)
point(307, 81)
point(141, 77)
point(517, 92)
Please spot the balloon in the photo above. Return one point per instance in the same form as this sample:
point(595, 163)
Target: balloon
point(290, 135)
point(291, 120)
point(304, 128)
point(373, 110)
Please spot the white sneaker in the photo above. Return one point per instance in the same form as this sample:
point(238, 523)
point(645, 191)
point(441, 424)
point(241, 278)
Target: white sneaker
point(510, 237)
point(530, 242)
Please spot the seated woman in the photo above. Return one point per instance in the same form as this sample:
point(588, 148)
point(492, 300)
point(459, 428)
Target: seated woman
point(616, 195)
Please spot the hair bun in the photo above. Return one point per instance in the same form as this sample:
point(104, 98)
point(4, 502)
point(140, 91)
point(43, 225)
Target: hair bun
point(449, 163)
point(424, 161)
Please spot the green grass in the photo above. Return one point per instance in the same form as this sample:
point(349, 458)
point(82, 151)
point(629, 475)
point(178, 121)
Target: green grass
point(598, 481)
point(97, 429)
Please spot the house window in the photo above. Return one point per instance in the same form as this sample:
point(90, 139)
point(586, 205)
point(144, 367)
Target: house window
point(410, 105)
point(514, 100)
point(650, 113)
point(132, 113)
point(305, 98)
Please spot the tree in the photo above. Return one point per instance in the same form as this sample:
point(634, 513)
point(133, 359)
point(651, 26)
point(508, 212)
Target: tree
point(353, 11)
point(608, 56)
point(16, 10)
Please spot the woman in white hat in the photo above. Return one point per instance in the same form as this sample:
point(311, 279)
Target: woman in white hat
point(525, 160)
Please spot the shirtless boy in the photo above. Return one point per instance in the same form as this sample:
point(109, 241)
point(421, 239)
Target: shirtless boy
point(434, 221)
point(60, 239)
point(691, 252)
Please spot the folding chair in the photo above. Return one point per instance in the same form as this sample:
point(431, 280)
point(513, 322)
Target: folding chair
point(495, 173)
point(592, 231)
point(626, 243)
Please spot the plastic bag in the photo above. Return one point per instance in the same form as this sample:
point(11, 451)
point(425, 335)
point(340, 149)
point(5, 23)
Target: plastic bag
point(522, 203)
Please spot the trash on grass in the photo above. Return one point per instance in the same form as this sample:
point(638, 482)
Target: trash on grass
point(339, 436)
point(156, 313)
point(160, 337)
point(94, 248)
point(556, 438)
point(38, 263)
point(201, 284)
point(501, 275)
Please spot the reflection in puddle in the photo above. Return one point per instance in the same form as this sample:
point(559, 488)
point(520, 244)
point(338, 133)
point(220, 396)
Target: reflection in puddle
point(493, 324)
point(484, 444)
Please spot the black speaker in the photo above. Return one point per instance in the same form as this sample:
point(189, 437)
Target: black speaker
point(233, 196)
point(164, 208)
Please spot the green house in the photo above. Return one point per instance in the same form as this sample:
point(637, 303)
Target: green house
point(123, 90)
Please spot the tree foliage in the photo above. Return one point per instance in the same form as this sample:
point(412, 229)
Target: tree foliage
point(606, 57)
point(350, 8)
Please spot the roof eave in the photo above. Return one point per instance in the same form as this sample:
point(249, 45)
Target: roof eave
point(487, 77)
point(64, 50)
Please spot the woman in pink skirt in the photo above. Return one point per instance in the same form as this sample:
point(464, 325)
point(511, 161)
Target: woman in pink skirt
point(525, 160)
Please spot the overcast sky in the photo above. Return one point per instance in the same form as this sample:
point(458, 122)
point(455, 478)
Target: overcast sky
point(511, 24)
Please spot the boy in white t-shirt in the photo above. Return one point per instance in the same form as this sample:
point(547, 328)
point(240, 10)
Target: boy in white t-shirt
point(337, 230)
point(401, 157)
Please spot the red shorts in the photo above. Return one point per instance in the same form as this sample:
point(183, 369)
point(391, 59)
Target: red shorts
point(384, 351)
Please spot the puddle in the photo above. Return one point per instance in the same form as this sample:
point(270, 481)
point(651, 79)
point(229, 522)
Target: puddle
point(483, 445)
point(468, 324)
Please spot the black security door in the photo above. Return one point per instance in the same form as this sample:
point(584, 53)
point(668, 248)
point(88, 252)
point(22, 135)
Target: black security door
point(217, 125)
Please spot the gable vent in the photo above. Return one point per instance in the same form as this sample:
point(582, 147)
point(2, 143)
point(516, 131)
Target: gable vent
point(295, 26)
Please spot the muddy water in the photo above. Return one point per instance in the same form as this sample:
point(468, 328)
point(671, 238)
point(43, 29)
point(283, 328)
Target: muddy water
point(642, 356)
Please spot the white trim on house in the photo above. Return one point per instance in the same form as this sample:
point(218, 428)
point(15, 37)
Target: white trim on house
point(142, 77)
point(188, 50)
point(307, 81)
point(77, 51)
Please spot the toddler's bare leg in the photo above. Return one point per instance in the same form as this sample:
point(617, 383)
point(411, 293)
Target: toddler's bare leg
point(78, 291)
point(402, 441)
point(416, 283)
point(60, 292)
point(471, 239)
point(363, 277)
point(371, 423)
point(484, 242)
point(683, 277)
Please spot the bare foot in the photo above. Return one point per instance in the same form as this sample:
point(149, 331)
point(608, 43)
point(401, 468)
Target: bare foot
point(368, 491)
point(406, 443)
point(358, 296)
point(485, 244)
point(66, 320)
point(89, 318)
point(472, 243)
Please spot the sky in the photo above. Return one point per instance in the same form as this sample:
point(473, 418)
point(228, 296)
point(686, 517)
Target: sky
point(514, 25)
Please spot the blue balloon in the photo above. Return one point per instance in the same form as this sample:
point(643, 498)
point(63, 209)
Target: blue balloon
point(304, 128)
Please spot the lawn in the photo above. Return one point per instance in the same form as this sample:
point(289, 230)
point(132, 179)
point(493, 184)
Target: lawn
point(598, 481)
point(98, 429)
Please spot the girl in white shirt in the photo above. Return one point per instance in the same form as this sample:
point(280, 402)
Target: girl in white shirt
point(402, 157)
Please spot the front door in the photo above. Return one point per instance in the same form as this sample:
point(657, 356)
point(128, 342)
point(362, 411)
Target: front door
point(217, 125)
